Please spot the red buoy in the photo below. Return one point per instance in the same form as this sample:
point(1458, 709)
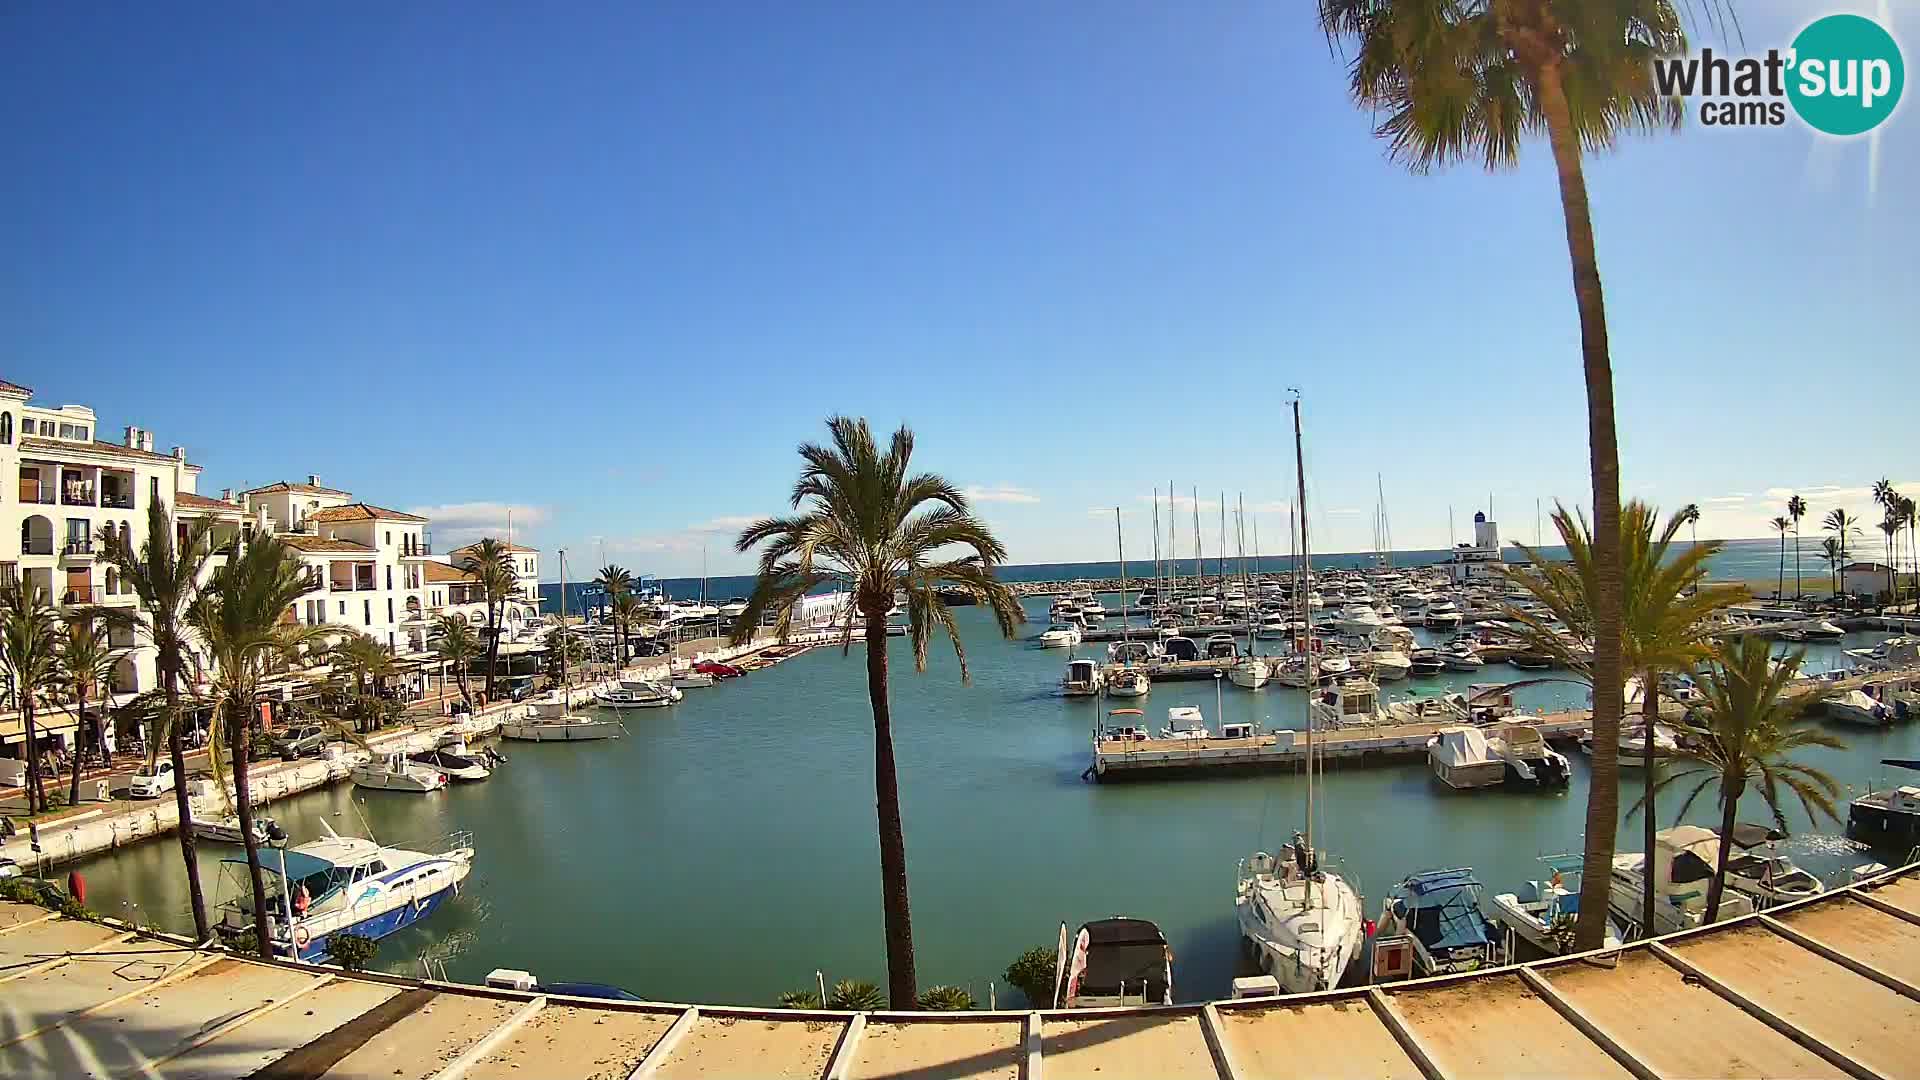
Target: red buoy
point(77, 887)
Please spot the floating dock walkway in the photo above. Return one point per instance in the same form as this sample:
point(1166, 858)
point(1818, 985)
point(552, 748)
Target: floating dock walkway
point(1118, 760)
point(1825, 987)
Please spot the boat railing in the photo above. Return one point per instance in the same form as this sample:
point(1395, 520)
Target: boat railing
point(459, 839)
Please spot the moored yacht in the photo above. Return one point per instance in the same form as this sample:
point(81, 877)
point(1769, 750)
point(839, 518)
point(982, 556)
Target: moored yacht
point(1250, 673)
point(344, 884)
point(1185, 722)
point(226, 830)
point(393, 772)
point(1346, 702)
point(549, 721)
point(1439, 911)
point(1527, 757)
point(1461, 758)
point(1543, 916)
point(1060, 635)
point(1303, 923)
point(1128, 682)
point(637, 694)
point(1083, 679)
point(1118, 962)
point(1683, 862)
point(457, 766)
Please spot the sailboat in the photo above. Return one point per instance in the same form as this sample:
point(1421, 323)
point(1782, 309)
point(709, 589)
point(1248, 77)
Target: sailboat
point(1302, 921)
point(1127, 680)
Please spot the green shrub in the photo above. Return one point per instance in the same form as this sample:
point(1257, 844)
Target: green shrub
point(800, 999)
point(946, 999)
point(352, 951)
point(1032, 975)
point(856, 995)
point(240, 942)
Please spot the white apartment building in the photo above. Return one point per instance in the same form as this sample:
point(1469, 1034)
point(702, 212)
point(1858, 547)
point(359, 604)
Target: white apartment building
point(67, 486)
point(368, 560)
point(452, 591)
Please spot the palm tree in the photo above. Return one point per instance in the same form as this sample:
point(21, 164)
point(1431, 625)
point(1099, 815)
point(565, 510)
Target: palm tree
point(458, 646)
point(84, 664)
point(616, 582)
point(626, 616)
point(244, 617)
point(1689, 515)
point(1893, 520)
point(29, 665)
point(1744, 738)
point(1453, 80)
point(1890, 527)
point(1842, 525)
point(491, 564)
point(1796, 509)
point(1832, 551)
point(862, 519)
point(166, 577)
point(1909, 516)
point(1781, 525)
point(368, 661)
point(1667, 624)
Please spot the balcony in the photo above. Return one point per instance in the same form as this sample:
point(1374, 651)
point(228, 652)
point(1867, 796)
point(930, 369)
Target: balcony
point(33, 493)
point(78, 595)
point(78, 547)
point(37, 546)
point(117, 500)
point(420, 548)
point(77, 495)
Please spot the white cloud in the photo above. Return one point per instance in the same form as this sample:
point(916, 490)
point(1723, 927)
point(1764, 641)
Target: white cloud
point(1000, 493)
point(457, 524)
point(726, 523)
point(1343, 511)
point(1727, 499)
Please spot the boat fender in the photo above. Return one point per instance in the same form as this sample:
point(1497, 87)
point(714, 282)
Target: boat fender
point(301, 937)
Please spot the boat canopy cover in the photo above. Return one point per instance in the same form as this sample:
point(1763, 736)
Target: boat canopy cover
point(1748, 836)
point(299, 864)
point(1130, 951)
point(1445, 912)
point(1463, 746)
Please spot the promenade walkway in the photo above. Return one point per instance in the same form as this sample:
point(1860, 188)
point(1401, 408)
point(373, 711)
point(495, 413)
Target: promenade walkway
point(1828, 987)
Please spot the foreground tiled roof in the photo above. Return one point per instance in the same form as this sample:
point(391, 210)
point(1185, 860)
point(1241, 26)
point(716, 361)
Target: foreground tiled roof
point(14, 388)
point(1822, 988)
point(304, 489)
point(35, 442)
point(439, 571)
point(305, 542)
point(360, 512)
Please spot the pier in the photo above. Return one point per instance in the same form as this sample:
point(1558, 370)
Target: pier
point(1826, 986)
point(1384, 744)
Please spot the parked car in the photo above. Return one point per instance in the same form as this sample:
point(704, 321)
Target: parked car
point(303, 740)
point(519, 687)
point(152, 782)
point(9, 868)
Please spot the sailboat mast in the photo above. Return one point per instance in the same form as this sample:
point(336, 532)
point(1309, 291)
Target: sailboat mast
point(1223, 541)
point(1156, 537)
point(1199, 572)
point(1120, 541)
point(1313, 666)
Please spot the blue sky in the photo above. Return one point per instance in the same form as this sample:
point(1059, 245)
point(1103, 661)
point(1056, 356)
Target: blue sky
point(609, 264)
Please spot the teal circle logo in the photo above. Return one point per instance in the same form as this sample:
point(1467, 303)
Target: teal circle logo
point(1846, 75)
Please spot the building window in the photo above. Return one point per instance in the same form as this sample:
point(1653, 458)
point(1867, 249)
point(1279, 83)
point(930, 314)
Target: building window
point(6, 428)
point(366, 611)
point(153, 488)
point(389, 579)
point(343, 609)
point(389, 537)
point(389, 609)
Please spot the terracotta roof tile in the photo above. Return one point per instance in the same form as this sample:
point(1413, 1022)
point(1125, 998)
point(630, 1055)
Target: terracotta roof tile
point(510, 547)
point(305, 489)
point(14, 388)
point(187, 500)
point(360, 512)
point(441, 572)
point(34, 442)
point(308, 542)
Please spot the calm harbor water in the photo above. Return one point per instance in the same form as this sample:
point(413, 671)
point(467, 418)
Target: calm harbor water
point(724, 850)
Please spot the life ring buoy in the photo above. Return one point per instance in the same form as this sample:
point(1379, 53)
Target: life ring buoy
point(301, 937)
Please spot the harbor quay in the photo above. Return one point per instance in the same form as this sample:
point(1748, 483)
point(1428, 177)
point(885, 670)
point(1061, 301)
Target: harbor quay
point(1823, 987)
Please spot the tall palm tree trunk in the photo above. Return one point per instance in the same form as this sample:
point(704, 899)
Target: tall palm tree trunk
point(493, 650)
point(1603, 798)
point(197, 897)
point(1796, 562)
point(241, 734)
point(1649, 712)
point(36, 791)
point(79, 722)
point(901, 989)
point(1780, 585)
point(1730, 792)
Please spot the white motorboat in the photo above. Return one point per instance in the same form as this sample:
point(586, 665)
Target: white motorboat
point(1544, 915)
point(1387, 665)
point(1857, 707)
point(1439, 913)
point(226, 830)
point(1462, 656)
point(637, 694)
point(1059, 636)
point(683, 676)
point(1527, 757)
point(1303, 922)
point(1633, 744)
point(1271, 625)
point(393, 772)
point(1128, 682)
point(1083, 679)
point(1129, 652)
point(1461, 758)
point(1766, 878)
point(1350, 702)
point(1425, 662)
point(1359, 619)
point(1684, 858)
point(1894, 652)
point(1092, 608)
point(1335, 665)
point(343, 884)
point(1427, 707)
point(549, 721)
point(1185, 722)
point(456, 766)
point(1250, 673)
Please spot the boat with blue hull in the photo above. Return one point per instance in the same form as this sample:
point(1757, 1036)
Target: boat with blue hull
point(345, 884)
